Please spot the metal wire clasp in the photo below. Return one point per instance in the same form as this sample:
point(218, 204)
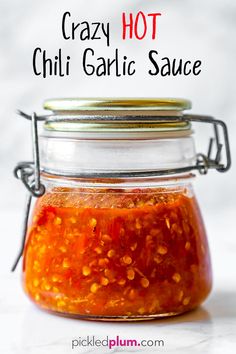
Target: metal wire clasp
point(205, 162)
point(29, 174)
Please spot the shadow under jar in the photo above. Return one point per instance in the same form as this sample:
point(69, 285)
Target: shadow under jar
point(118, 234)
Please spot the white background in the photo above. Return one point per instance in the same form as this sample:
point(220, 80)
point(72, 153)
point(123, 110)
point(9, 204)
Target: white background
point(188, 29)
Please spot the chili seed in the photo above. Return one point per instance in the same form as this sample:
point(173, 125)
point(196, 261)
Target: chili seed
point(144, 282)
point(98, 250)
point(66, 263)
point(111, 253)
point(141, 310)
point(167, 223)
point(94, 288)
point(61, 303)
point(47, 286)
point(73, 220)
point(133, 247)
point(187, 245)
point(86, 271)
point(62, 249)
point(132, 294)
point(138, 225)
point(127, 259)
point(121, 282)
point(57, 221)
point(186, 300)
point(158, 259)
point(93, 222)
point(36, 282)
point(36, 266)
point(130, 274)
point(176, 277)
point(37, 297)
point(109, 274)
point(104, 281)
point(106, 238)
point(56, 279)
point(102, 262)
point(55, 290)
point(162, 250)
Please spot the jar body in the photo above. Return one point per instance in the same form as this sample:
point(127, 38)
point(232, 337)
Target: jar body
point(114, 253)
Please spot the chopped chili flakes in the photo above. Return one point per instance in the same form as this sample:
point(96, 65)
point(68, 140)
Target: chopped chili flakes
point(116, 252)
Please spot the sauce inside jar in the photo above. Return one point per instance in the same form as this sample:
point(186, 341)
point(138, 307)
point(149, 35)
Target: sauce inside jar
point(125, 253)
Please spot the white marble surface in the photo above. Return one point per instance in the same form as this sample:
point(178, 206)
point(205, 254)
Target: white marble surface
point(210, 330)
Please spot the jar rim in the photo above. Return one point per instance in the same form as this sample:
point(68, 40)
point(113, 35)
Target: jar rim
point(114, 129)
point(52, 177)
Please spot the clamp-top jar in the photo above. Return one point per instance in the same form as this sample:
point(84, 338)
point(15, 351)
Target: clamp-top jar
point(116, 232)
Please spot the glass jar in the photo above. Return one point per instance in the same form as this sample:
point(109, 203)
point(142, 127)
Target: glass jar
point(117, 233)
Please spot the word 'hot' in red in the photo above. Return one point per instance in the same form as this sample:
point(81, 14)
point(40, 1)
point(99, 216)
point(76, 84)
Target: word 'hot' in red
point(138, 26)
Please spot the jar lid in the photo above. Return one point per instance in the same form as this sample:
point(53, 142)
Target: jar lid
point(116, 114)
point(116, 104)
point(116, 134)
